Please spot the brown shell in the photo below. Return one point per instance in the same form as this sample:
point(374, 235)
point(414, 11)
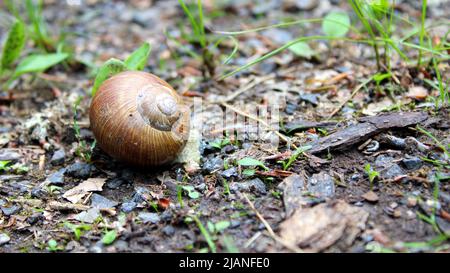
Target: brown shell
point(140, 119)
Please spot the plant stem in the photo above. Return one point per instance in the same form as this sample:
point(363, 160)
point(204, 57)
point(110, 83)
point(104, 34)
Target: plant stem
point(422, 30)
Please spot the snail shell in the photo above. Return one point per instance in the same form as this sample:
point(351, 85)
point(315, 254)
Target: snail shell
point(140, 119)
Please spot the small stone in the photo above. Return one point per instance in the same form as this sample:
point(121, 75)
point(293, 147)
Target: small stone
point(229, 172)
point(8, 211)
point(128, 207)
point(100, 202)
point(121, 245)
point(235, 223)
point(9, 155)
point(80, 170)
point(38, 192)
point(293, 187)
point(254, 186)
point(392, 172)
point(168, 230)
point(149, 217)
point(4, 239)
point(115, 183)
point(370, 196)
point(35, 218)
point(140, 195)
point(58, 157)
point(311, 98)
point(57, 178)
point(200, 187)
point(228, 149)
point(397, 213)
point(321, 185)
point(88, 216)
point(412, 163)
point(213, 164)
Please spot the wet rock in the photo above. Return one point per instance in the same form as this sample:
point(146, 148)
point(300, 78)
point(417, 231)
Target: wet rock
point(4, 238)
point(9, 155)
point(228, 173)
point(166, 216)
point(58, 157)
point(149, 217)
point(253, 186)
point(321, 185)
point(38, 192)
point(412, 163)
point(168, 230)
point(35, 218)
point(311, 98)
point(80, 170)
point(206, 148)
point(115, 183)
point(290, 108)
point(8, 211)
point(57, 178)
point(292, 187)
point(128, 207)
point(140, 195)
point(213, 164)
point(100, 202)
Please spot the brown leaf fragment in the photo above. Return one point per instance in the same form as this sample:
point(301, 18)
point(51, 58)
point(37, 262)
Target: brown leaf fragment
point(370, 196)
point(364, 129)
point(77, 193)
point(317, 228)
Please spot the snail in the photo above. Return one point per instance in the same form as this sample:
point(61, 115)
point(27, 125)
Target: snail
point(139, 119)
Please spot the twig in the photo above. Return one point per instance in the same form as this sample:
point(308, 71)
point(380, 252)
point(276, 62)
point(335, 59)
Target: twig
point(270, 230)
point(242, 113)
point(246, 88)
point(66, 206)
point(349, 98)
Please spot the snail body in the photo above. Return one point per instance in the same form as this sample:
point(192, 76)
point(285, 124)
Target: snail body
point(139, 119)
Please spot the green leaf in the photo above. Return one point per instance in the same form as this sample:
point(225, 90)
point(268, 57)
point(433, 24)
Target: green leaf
point(221, 226)
point(194, 194)
point(336, 24)
point(3, 164)
point(138, 59)
point(13, 45)
point(39, 63)
point(248, 172)
point(248, 161)
point(109, 237)
point(108, 69)
point(210, 226)
point(302, 49)
point(52, 245)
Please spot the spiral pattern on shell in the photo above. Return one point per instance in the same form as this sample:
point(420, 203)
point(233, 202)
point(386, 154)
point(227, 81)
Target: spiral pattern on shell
point(140, 119)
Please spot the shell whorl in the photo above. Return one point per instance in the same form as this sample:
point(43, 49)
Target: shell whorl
point(138, 118)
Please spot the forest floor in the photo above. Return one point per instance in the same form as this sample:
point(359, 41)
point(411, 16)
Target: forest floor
point(322, 202)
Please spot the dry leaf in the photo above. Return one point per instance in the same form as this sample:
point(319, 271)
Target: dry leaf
point(75, 194)
point(417, 92)
point(319, 227)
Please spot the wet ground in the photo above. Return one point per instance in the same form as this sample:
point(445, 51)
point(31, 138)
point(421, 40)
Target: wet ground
point(323, 201)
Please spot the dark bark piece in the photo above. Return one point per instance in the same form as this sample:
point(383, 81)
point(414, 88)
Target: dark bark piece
point(366, 128)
